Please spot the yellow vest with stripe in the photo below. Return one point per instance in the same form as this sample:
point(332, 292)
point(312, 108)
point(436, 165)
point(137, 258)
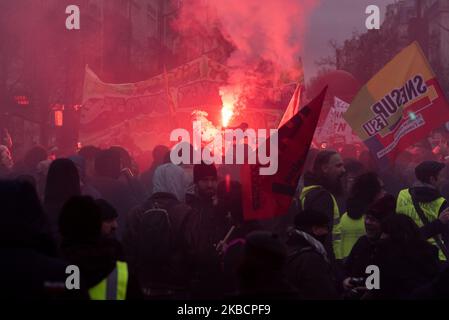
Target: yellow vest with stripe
point(336, 214)
point(114, 286)
point(351, 230)
point(405, 206)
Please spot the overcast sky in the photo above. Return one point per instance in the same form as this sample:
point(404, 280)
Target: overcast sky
point(334, 19)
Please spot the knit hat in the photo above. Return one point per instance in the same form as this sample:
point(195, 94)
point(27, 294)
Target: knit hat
point(201, 171)
point(80, 221)
point(108, 212)
point(383, 207)
point(427, 169)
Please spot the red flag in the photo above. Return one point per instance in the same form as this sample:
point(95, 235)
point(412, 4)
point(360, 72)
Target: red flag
point(293, 106)
point(269, 196)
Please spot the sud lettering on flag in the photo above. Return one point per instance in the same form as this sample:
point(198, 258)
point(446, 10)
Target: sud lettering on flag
point(401, 104)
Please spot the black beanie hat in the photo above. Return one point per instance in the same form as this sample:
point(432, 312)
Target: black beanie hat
point(108, 212)
point(80, 220)
point(428, 169)
point(383, 208)
point(201, 171)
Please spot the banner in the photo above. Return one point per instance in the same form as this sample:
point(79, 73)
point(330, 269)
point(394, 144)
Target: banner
point(271, 195)
point(401, 104)
point(141, 115)
point(335, 127)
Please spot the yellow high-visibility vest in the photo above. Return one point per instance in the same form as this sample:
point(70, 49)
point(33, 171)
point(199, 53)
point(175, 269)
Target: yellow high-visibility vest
point(114, 286)
point(351, 230)
point(405, 206)
point(336, 234)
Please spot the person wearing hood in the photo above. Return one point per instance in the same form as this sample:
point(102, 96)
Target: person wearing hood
point(104, 272)
point(425, 196)
point(308, 264)
point(156, 238)
point(62, 183)
point(30, 266)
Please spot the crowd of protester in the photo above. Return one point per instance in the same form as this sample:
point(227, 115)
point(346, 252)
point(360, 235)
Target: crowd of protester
point(178, 232)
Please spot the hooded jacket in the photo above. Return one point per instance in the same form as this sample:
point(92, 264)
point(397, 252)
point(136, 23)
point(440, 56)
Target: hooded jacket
point(308, 268)
point(425, 193)
point(320, 200)
point(172, 179)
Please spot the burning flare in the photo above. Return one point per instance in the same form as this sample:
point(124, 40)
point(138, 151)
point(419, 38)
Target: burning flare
point(229, 99)
point(227, 113)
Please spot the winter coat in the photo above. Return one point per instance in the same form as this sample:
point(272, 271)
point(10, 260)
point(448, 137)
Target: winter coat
point(176, 272)
point(321, 200)
point(96, 261)
point(361, 256)
point(207, 228)
point(425, 194)
point(404, 268)
point(309, 271)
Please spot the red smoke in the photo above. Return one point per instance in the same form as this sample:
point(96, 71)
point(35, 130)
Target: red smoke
point(266, 36)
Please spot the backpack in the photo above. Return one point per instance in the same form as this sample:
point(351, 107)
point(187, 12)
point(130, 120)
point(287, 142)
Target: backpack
point(155, 249)
point(156, 234)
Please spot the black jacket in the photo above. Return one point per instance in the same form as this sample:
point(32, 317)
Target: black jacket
point(96, 261)
point(404, 268)
point(361, 256)
point(320, 200)
point(171, 268)
point(207, 228)
point(33, 275)
point(436, 289)
point(309, 272)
